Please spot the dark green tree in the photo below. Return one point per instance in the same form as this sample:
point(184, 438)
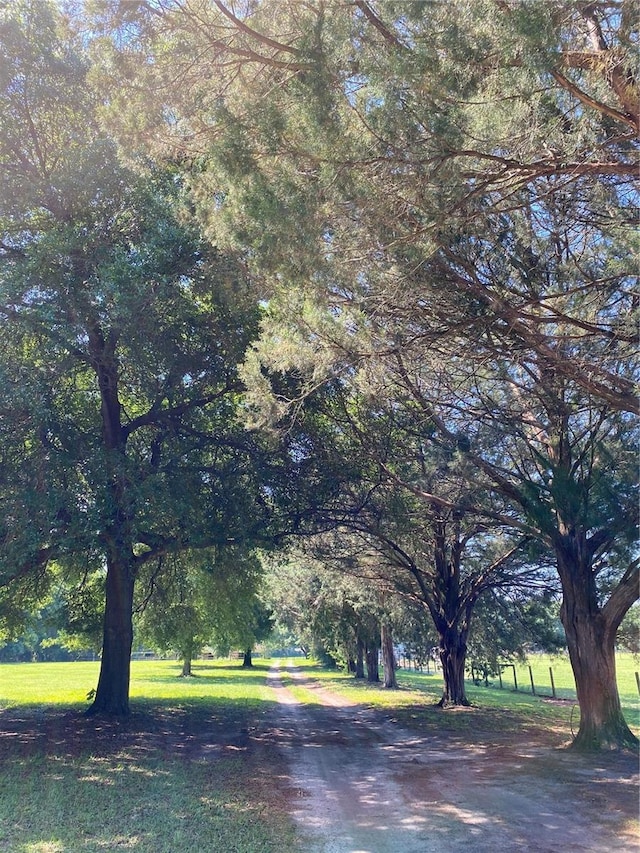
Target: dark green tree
point(121, 329)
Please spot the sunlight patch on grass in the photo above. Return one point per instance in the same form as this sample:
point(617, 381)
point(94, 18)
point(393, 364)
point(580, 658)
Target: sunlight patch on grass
point(70, 683)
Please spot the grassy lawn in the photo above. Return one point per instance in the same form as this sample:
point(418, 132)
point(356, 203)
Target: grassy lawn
point(68, 684)
point(179, 775)
point(183, 773)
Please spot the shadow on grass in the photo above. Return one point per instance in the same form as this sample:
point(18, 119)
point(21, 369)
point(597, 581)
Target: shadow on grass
point(173, 728)
point(174, 775)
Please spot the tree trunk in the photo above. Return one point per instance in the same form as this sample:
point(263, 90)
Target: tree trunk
point(359, 658)
point(247, 658)
point(186, 664)
point(187, 652)
point(591, 633)
point(453, 655)
point(112, 693)
point(388, 658)
point(372, 663)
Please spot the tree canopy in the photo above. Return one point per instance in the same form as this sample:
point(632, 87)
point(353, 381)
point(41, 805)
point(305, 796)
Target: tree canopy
point(122, 329)
point(424, 209)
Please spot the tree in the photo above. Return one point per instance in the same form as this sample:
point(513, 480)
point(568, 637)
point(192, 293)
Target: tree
point(409, 520)
point(121, 328)
point(178, 614)
point(202, 597)
point(548, 445)
point(66, 624)
point(564, 450)
point(629, 632)
point(388, 655)
point(383, 127)
point(252, 623)
point(340, 612)
point(417, 194)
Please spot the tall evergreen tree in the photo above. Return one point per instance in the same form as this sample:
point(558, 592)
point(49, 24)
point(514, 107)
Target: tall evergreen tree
point(446, 189)
point(121, 331)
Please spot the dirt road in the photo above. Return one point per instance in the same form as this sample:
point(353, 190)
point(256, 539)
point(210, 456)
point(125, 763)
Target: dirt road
point(358, 783)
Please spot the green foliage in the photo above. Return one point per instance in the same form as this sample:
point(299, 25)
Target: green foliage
point(121, 330)
point(505, 629)
point(328, 610)
point(203, 598)
point(436, 200)
point(628, 637)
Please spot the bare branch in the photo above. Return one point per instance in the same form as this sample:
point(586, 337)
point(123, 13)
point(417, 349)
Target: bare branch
point(254, 34)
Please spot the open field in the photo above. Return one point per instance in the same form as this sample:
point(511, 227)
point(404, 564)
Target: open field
point(69, 684)
point(194, 768)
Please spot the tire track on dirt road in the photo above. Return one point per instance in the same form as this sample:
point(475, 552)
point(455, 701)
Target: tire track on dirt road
point(358, 783)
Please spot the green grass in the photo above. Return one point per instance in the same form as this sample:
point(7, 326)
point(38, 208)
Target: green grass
point(179, 775)
point(47, 684)
point(184, 773)
point(626, 667)
point(68, 684)
point(51, 804)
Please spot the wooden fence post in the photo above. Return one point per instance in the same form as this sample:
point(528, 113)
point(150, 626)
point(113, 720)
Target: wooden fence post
point(533, 687)
point(553, 684)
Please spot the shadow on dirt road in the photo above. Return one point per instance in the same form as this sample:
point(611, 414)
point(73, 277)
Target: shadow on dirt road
point(358, 783)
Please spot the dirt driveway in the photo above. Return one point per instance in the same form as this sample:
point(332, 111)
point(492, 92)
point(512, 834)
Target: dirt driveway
point(358, 783)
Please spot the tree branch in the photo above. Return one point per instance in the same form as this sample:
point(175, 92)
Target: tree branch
point(157, 415)
point(371, 16)
point(623, 597)
point(627, 118)
point(254, 34)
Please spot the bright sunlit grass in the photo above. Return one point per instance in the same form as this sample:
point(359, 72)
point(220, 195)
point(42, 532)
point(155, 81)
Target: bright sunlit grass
point(47, 683)
point(213, 680)
point(69, 684)
point(217, 682)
